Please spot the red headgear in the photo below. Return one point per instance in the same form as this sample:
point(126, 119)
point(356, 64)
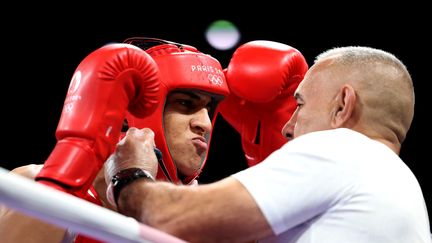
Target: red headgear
point(180, 67)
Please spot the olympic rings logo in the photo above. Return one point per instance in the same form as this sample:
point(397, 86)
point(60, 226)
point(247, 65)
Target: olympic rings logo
point(215, 79)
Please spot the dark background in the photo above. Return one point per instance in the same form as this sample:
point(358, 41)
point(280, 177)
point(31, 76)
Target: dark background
point(42, 49)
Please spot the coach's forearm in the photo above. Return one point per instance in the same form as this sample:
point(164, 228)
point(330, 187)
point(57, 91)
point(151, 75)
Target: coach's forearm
point(160, 205)
point(222, 211)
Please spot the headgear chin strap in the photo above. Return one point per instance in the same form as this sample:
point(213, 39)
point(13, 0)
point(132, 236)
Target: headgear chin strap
point(180, 67)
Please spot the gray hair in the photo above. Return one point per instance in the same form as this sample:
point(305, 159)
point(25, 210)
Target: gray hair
point(383, 82)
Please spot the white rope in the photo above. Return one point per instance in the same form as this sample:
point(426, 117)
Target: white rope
point(80, 216)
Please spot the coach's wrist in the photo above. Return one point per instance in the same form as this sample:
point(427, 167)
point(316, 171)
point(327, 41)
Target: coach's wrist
point(123, 178)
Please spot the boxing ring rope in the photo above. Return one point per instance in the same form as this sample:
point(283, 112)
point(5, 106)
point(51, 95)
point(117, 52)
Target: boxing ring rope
point(80, 216)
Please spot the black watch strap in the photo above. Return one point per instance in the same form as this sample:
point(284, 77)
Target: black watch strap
point(125, 177)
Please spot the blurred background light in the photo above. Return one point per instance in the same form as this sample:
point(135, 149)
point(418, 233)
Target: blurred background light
point(222, 35)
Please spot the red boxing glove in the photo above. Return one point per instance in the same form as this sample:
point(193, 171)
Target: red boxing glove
point(108, 82)
point(262, 77)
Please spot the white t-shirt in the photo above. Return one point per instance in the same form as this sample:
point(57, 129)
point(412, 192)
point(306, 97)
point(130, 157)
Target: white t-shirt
point(338, 186)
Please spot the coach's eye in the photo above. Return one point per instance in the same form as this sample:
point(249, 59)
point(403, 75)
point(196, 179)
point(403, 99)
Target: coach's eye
point(299, 104)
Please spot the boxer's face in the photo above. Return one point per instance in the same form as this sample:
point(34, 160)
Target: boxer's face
point(187, 127)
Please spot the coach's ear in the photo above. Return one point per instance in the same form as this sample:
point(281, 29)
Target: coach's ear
point(344, 106)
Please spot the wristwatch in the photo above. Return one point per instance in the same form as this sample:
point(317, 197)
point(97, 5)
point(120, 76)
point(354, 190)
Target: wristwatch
point(125, 177)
